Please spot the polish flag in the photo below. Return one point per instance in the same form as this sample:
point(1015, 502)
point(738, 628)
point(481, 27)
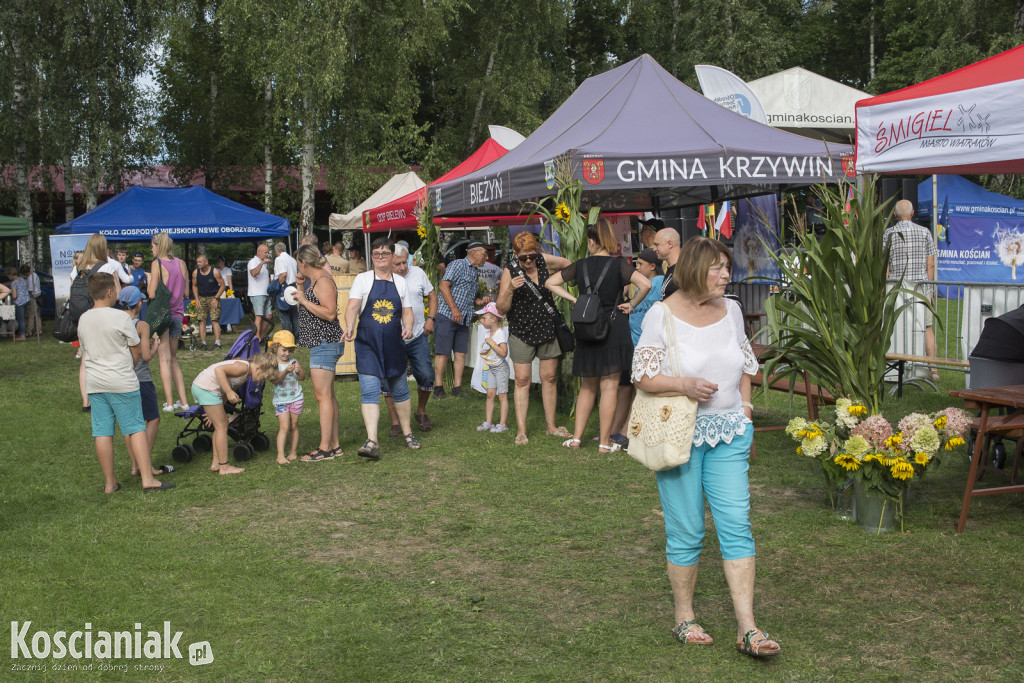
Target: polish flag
point(723, 224)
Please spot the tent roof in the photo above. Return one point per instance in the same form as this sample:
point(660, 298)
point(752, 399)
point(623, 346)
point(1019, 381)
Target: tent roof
point(12, 227)
point(400, 214)
point(397, 186)
point(185, 213)
point(967, 121)
point(966, 198)
point(635, 133)
point(804, 102)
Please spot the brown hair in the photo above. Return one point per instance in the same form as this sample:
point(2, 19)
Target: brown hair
point(696, 258)
point(525, 241)
point(99, 284)
point(163, 245)
point(603, 235)
point(95, 251)
point(310, 255)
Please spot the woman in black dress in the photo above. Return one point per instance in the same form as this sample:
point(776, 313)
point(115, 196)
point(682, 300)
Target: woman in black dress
point(599, 364)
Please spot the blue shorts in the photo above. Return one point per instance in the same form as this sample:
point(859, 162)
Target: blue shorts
point(126, 409)
point(450, 337)
point(205, 397)
point(175, 328)
point(418, 352)
point(150, 406)
point(324, 356)
point(262, 305)
point(370, 388)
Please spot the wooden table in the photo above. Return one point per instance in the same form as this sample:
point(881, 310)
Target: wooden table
point(988, 425)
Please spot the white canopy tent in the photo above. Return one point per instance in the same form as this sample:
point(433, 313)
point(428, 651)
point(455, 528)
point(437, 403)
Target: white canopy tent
point(398, 186)
point(802, 102)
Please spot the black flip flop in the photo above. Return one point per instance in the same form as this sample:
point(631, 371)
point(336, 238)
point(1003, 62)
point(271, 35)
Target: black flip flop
point(164, 486)
point(317, 456)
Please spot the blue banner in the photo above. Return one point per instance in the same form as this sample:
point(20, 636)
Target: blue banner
point(757, 225)
point(982, 250)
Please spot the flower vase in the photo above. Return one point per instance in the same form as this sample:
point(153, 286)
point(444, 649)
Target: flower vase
point(842, 500)
point(876, 513)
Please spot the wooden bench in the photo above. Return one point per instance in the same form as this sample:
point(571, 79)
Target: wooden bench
point(815, 396)
point(898, 361)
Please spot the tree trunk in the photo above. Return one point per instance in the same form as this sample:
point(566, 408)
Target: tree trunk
point(871, 45)
point(69, 189)
point(480, 100)
point(23, 196)
point(211, 143)
point(308, 173)
point(268, 148)
point(1018, 18)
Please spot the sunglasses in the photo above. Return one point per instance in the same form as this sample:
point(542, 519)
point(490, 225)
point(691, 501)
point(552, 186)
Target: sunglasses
point(527, 257)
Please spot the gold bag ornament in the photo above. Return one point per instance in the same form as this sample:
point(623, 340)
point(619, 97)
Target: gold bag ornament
point(661, 427)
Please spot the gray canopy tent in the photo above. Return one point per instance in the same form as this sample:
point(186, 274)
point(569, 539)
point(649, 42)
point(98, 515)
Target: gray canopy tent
point(640, 140)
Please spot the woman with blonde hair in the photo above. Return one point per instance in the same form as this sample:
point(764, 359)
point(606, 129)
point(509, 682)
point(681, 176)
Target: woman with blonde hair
point(320, 332)
point(170, 270)
point(599, 364)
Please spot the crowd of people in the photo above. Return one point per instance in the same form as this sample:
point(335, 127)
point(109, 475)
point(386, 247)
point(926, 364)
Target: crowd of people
point(673, 292)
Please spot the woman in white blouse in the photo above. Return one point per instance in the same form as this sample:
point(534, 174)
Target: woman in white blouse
point(716, 363)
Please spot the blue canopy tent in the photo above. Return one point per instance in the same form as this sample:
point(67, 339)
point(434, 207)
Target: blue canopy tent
point(186, 214)
point(981, 233)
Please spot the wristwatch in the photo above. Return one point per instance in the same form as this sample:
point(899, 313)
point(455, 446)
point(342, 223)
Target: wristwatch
point(430, 317)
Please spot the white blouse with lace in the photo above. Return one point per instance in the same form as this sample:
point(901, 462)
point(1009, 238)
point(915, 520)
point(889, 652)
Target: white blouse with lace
point(719, 353)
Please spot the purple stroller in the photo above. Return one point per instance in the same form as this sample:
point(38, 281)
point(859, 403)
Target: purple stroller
point(196, 437)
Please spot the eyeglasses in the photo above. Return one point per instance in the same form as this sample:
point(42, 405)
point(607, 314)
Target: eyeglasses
point(381, 254)
point(527, 257)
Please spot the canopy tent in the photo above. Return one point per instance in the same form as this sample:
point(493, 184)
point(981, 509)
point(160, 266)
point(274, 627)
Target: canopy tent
point(967, 121)
point(802, 102)
point(641, 140)
point(397, 186)
point(12, 227)
point(982, 238)
point(185, 213)
point(400, 214)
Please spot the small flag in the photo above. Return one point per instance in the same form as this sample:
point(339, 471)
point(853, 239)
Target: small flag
point(701, 225)
point(724, 223)
point(710, 213)
point(944, 222)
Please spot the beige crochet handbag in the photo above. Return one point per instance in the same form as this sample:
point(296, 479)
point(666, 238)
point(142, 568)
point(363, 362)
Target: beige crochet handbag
point(661, 427)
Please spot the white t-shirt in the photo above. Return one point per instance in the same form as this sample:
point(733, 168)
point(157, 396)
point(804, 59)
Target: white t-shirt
point(225, 274)
point(122, 271)
point(106, 335)
point(285, 264)
point(257, 285)
point(489, 355)
point(363, 283)
point(418, 285)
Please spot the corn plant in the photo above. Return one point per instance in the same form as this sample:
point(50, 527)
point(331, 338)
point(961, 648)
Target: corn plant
point(834, 315)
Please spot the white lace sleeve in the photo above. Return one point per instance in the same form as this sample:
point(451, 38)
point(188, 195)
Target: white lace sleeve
point(647, 362)
point(750, 364)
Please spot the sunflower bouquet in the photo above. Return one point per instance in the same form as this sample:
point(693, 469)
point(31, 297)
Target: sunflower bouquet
point(882, 459)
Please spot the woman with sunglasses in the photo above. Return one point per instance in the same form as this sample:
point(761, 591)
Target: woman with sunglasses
point(528, 307)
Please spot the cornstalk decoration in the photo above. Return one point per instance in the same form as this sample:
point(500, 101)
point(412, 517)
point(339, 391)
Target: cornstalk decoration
point(430, 247)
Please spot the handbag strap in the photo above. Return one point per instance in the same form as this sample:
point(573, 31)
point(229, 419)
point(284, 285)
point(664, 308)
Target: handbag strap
point(670, 339)
point(536, 292)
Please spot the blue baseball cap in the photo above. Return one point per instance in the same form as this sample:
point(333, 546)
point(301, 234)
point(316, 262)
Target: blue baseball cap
point(130, 296)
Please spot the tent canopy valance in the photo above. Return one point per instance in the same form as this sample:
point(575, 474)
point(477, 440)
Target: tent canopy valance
point(640, 140)
point(12, 227)
point(186, 214)
point(965, 122)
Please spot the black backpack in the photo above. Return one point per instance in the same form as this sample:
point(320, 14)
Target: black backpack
point(588, 318)
point(80, 300)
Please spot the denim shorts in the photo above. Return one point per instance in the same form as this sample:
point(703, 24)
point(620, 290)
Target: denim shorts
point(370, 388)
point(175, 329)
point(324, 356)
point(126, 409)
point(262, 305)
point(418, 351)
point(450, 337)
point(150, 405)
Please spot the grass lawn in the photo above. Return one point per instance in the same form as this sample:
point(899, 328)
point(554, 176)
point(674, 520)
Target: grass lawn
point(474, 559)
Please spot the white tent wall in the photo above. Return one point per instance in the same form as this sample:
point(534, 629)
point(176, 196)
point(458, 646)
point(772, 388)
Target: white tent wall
point(802, 102)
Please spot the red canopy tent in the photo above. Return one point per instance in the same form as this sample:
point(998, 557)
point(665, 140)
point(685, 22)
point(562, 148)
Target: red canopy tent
point(965, 122)
point(400, 214)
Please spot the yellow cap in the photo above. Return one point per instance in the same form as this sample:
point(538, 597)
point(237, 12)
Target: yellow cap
point(284, 338)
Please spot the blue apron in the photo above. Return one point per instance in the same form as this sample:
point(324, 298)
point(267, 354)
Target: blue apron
point(380, 349)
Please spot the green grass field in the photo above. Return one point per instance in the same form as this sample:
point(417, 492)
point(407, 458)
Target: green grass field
point(474, 559)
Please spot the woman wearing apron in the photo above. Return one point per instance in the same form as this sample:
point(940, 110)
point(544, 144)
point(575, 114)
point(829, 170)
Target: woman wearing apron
point(378, 297)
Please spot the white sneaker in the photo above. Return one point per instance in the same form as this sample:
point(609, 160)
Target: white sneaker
point(485, 427)
point(217, 343)
point(178, 405)
point(168, 408)
point(498, 429)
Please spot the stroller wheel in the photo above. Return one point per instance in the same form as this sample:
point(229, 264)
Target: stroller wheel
point(202, 443)
point(243, 452)
point(183, 453)
point(999, 455)
point(261, 441)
